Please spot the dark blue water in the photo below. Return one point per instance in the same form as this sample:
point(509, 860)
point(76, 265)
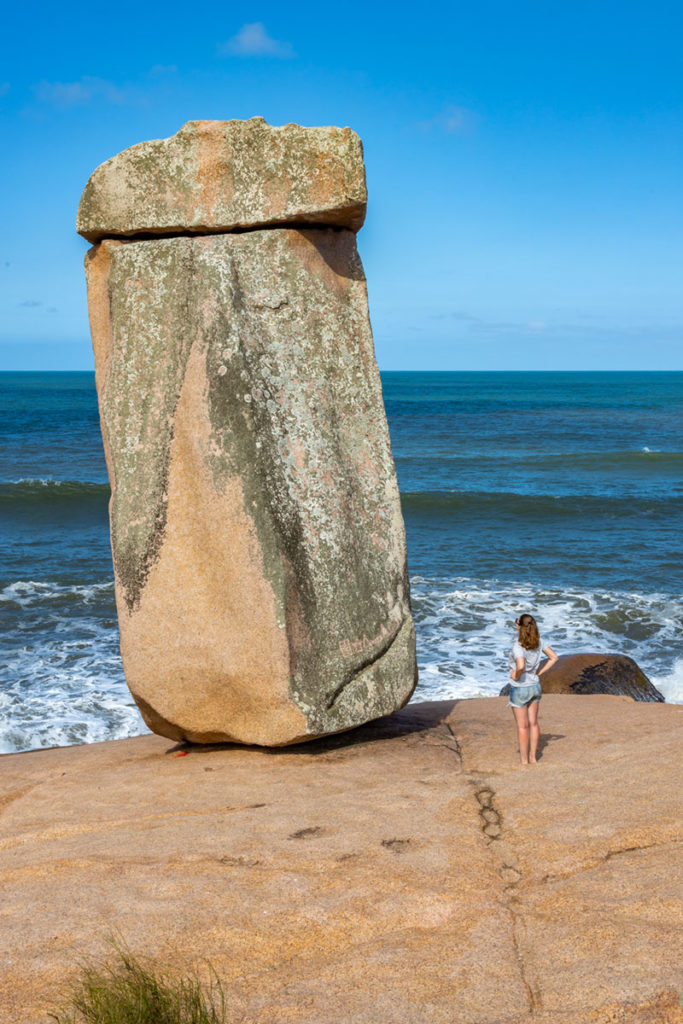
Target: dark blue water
point(576, 479)
point(559, 492)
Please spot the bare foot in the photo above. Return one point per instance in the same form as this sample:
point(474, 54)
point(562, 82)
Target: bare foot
point(533, 761)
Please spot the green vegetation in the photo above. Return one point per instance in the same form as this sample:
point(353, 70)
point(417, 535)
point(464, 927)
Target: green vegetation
point(126, 991)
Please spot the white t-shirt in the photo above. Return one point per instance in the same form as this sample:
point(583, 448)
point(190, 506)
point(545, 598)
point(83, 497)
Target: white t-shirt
point(532, 659)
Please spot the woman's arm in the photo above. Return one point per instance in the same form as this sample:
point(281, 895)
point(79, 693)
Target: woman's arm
point(516, 672)
point(552, 658)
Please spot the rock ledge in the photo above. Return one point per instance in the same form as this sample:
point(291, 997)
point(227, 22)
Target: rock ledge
point(410, 871)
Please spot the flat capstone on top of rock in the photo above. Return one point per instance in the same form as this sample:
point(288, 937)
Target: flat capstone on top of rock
point(218, 176)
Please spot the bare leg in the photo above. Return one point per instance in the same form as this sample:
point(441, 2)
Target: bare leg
point(522, 720)
point(534, 731)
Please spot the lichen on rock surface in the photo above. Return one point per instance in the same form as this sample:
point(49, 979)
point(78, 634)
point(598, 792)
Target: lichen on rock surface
point(215, 176)
point(257, 537)
point(146, 372)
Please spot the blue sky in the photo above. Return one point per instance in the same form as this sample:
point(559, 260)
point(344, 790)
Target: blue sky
point(524, 163)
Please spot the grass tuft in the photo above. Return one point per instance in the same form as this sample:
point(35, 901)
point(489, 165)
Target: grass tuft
point(127, 991)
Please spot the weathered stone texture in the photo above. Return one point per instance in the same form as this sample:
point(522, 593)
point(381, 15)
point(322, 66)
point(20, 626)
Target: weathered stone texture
point(257, 537)
point(600, 673)
point(215, 176)
point(413, 873)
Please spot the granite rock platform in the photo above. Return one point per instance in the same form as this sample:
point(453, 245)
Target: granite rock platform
point(409, 871)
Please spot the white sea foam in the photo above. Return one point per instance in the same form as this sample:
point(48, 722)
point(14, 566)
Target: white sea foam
point(28, 592)
point(43, 481)
point(466, 628)
point(63, 680)
point(670, 685)
point(63, 683)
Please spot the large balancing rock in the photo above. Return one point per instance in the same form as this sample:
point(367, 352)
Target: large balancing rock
point(257, 536)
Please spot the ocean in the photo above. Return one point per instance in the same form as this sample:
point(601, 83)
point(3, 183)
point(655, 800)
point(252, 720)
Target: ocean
point(556, 493)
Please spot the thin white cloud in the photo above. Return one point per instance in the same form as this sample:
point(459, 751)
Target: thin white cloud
point(593, 326)
point(37, 304)
point(77, 94)
point(253, 40)
point(456, 119)
point(452, 120)
point(476, 323)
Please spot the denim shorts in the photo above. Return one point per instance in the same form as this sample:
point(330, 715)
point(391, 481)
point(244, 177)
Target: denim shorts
point(522, 696)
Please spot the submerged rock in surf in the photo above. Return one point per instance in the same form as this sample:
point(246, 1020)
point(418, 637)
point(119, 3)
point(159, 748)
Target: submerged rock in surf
point(614, 674)
point(257, 536)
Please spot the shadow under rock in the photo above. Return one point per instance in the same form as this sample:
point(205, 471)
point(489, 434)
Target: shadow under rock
point(414, 718)
point(337, 246)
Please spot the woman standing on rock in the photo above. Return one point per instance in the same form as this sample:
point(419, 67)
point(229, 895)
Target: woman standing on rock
point(525, 686)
